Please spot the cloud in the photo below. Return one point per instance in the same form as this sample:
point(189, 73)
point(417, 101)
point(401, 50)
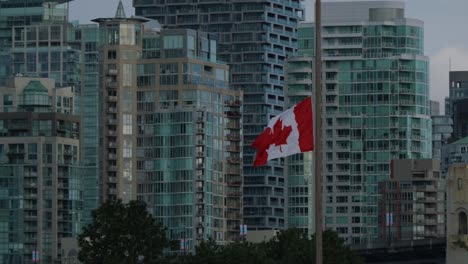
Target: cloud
point(439, 70)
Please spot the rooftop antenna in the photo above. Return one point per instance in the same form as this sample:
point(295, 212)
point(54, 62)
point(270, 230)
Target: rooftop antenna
point(120, 13)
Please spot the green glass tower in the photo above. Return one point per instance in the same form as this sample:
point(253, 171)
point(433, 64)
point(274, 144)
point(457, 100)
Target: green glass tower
point(24, 13)
point(376, 107)
point(41, 200)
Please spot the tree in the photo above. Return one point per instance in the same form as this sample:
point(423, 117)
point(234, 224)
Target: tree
point(294, 246)
point(208, 252)
point(288, 247)
point(122, 233)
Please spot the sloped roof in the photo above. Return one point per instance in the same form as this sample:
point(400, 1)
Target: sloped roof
point(461, 141)
point(35, 86)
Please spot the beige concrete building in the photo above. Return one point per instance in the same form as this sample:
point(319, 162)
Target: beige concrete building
point(457, 211)
point(412, 204)
point(171, 130)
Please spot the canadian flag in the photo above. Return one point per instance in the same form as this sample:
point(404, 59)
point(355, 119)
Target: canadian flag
point(289, 133)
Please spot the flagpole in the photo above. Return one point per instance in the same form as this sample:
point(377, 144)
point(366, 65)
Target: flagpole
point(318, 134)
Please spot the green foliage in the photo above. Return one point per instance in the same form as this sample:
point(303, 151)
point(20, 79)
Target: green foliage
point(288, 247)
point(120, 233)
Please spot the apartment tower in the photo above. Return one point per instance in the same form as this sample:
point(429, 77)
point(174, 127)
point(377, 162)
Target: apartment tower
point(254, 39)
point(40, 175)
point(171, 133)
point(376, 108)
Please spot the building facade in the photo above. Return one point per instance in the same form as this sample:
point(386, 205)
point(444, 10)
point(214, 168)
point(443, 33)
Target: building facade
point(172, 128)
point(254, 39)
point(376, 108)
point(42, 191)
point(66, 53)
point(412, 205)
point(46, 50)
point(24, 13)
point(442, 127)
point(457, 211)
point(455, 153)
point(299, 85)
point(457, 103)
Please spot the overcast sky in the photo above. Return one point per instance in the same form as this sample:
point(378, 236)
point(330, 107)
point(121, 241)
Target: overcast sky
point(446, 33)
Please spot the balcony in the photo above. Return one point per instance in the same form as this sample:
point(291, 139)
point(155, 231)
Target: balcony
point(233, 103)
point(233, 148)
point(18, 126)
point(112, 98)
point(233, 160)
point(233, 137)
point(112, 122)
point(233, 125)
point(112, 72)
point(112, 84)
point(233, 114)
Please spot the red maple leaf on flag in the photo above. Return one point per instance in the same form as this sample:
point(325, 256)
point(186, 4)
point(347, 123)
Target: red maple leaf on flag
point(280, 133)
point(277, 137)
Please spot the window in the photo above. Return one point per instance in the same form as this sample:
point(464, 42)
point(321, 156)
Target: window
point(462, 224)
point(111, 54)
point(169, 73)
point(173, 42)
point(127, 124)
point(459, 184)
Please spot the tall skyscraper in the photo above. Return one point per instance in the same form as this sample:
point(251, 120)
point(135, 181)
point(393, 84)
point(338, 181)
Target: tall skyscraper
point(254, 39)
point(24, 13)
point(457, 103)
point(441, 130)
point(376, 107)
point(85, 39)
point(42, 43)
point(46, 50)
point(172, 129)
point(120, 41)
point(300, 84)
point(40, 176)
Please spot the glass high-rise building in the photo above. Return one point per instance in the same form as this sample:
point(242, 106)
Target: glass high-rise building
point(171, 133)
point(300, 84)
point(254, 39)
point(15, 13)
point(375, 108)
point(41, 198)
point(49, 46)
point(456, 105)
point(46, 50)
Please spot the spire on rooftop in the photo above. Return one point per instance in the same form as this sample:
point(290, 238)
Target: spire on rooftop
point(120, 13)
